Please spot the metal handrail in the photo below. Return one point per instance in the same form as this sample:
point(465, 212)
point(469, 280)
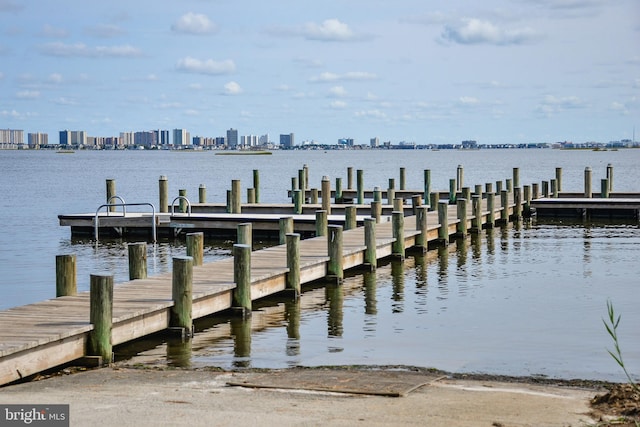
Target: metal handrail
point(182, 198)
point(124, 209)
point(153, 215)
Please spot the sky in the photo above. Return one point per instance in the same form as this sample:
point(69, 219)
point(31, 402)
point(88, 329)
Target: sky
point(495, 71)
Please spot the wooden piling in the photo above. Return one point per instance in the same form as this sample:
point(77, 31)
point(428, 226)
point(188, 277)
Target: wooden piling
point(182, 295)
point(610, 177)
point(301, 180)
point(504, 206)
point(111, 192)
point(559, 179)
point(588, 193)
point(314, 196)
point(416, 201)
point(294, 187)
point(163, 188)
point(66, 275)
point(297, 201)
point(478, 190)
point(137, 260)
point(350, 219)
point(452, 190)
point(427, 187)
point(527, 200)
point(182, 203)
point(335, 270)
point(202, 193)
point(242, 279)
point(236, 203)
point(516, 177)
point(101, 317)
point(535, 191)
point(421, 226)
point(293, 263)
point(553, 188)
point(443, 230)
point(326, 194)
point(245, 234)
point(377, 194)
point(517, 201)
point(286, 227)
point(403, 178)
point(376, 210)
point(476, 208)
point(256, 185)
point(338, 196)
point(350, 178)
point(434, 198)
point(491, 207)
point(305, 185)
point(321, 223)
point(251, 195)
point(398, 204)
point(398, 247)
point(360, 186)
point(604, 188)
point(459, 178)
point(509, 183)
point(195, 247)
point(488, 187)
point(461, 226)
point(391, 195)
point(370, 254)
point(545, 188)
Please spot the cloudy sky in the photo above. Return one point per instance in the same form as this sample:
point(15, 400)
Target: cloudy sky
point(497, 71)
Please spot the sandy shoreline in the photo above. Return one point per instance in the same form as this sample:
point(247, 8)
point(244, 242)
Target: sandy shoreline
point(123, 396)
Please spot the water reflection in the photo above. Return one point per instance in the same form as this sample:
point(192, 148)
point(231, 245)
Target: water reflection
point(292, 313)
point(179, 352)
point(335, 299)
point(397, 281)
point(241, 332)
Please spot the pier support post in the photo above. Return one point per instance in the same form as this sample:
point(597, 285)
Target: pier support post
point(459, 178)
point(427, 187)
point(398, 248)
point(350, 220)
point(251, 195)
point(526, 209)
point(137, 260)
point(326, 194)
point(182, 203)
point(517, 200)
point(163, 188)
point(478, 190)
point(195, 247)
point(360, 185)
point(416, 201)
point(476, 207)
point(297, 201)
point(338, 195)
point(545, 188)
point(370, 254)
point(421, 226)
point(559, 179)
point(111, 191)
point(488, 187)
point(321, 223)
point(504, 206)
point(491, 207)
point(293, 263)
point(509, 183)
point(535, 191)
point(314, 196)
point(443, 219)
point(398, 204)
point(516, 177)
point(610, 176)
point(604, 188)
point(377, 194)
point(350, 178)
point(301, 180)
point(182, 295)
point(305, 184)
point(391, 195)
point(335, 270)
point(101, 317)
point(452, 191)
point(242, 278)
point(236, 204)
point(403, 178)
point(498, 187)
point(66, 275)
point(294, 187)
point(256, 185)
point(286, 227)
point(461, 227)
point(376, 210)
point(245, 234)
point(434, 198)
point(202, 193)
point(587, 183)
point(554, 189)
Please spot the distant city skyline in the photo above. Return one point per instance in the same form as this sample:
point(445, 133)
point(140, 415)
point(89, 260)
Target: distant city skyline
point(499, 71)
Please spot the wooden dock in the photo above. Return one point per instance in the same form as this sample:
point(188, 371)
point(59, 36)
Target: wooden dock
point(41, 336)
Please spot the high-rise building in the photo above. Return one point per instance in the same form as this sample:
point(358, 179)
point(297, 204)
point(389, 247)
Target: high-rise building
point(232, 138)
point(127, 139)
point(73, 137)
point(145, 139)
point(346, 141)
point(287, 141)
point(36, 140)
point(162, 136)
point(11, 137)
point(375, 142)
point(181, 137)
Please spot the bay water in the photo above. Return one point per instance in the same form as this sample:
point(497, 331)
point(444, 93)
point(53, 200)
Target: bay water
point(518, 300)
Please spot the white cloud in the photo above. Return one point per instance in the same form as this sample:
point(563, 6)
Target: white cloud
point(53, 32)
point(208, 66)
point(476, 31)
point(374, 114)
point(468, 100)
point(82, 50)
point(338, 105)
point(338, 91)
point(328, 30)
point(104, 31)
point(332, 77)
point(232, 88)
point(28, 94)
point(194, 23)
point(55, 78)
point(65, 101)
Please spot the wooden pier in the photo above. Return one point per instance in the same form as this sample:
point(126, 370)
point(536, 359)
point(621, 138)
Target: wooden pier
point(41, 336)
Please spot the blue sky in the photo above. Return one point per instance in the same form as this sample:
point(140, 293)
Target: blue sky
point(497, 71)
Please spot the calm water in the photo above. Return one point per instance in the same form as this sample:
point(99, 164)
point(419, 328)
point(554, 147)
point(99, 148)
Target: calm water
point(514, 301)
